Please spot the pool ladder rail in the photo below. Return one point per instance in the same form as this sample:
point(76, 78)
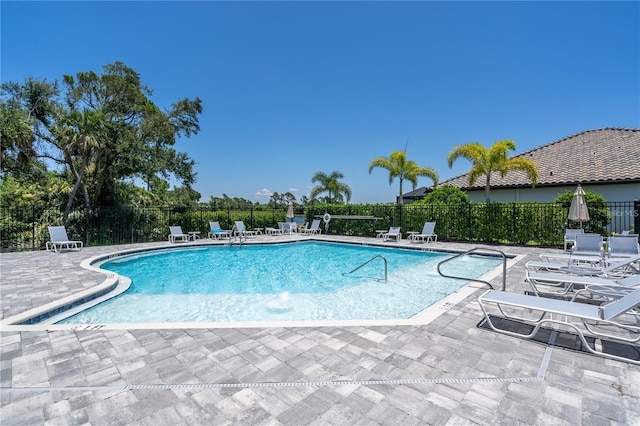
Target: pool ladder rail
point(478, 249)
point(386, 268)
point(236, 236)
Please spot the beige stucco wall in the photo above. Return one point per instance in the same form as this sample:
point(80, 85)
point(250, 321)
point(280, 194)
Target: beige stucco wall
point(611, 193)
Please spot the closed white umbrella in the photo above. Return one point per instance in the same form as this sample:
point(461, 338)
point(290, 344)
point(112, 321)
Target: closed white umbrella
point(290, 212)
point(578, 212)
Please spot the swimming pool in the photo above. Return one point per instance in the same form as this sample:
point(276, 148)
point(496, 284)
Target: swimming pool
point(299, 281)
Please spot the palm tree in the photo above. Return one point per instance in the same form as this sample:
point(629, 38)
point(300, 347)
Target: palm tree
point(79, 136)
point(493, 159)
point(399, 167)
point(330, 184)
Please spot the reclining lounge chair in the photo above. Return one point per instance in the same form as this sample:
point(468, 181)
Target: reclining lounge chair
point(394, 232)
point(176, 234)
point(60, 240)
point(570, 237)
point(241, 229)
point(314, 229)
point(566, 283)
point(598, 321)
point(615, 267)
point(621, 246)
point(587, 249)
point(427, 234)
point(216, 232)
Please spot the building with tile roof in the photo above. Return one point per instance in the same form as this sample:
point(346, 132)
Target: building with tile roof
point(605, 161)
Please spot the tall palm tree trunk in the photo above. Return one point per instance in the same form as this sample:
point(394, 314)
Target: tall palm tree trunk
point(487, 189)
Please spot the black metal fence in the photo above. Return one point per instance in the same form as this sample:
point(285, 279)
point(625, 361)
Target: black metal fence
point(535, 224)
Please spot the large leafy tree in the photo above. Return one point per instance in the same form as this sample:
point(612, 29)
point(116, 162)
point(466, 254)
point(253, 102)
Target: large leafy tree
point(330, 184)
point(226, 202)
point(400, 167)
point(104, 130)
point(16, 140)
point(495, 159)
point(278, 200)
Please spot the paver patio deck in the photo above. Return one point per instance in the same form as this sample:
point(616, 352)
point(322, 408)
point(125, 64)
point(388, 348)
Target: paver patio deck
point(446, 372)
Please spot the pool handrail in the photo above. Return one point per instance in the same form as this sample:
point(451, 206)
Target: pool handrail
point(504, 267)
point(367, 262)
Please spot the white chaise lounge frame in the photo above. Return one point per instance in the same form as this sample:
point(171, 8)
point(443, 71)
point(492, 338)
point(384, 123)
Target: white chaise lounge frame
point(564, 314)
point(394, 232)
point(60, 240)
point(314, 229)
point(426, 235)
point(175, 234)
point(568, 283)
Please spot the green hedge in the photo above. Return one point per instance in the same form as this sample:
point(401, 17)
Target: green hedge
point(533, 224)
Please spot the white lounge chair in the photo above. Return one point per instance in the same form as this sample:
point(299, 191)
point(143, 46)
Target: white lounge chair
point(570, 237)
point(566, 283)
point(242, 230)
point(572, 258)
point(287, 227)
point(216, 231)
point(587, 249)
point(272, 231)
point(598, 321)
point(313, 229)
point(623, 246)
point(588, 245)
point(394, 232)
point(426, 235)
point(176, 234)
point(60, 240)
point(616, 267)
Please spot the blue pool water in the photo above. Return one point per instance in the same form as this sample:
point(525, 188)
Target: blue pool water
point(283, 282)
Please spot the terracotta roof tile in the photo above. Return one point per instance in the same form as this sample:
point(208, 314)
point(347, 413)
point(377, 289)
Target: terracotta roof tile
point(593, 156)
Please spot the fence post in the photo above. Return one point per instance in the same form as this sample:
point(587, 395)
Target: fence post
point(514, 219)
point(636, 216)
point(86, 225)
point(469, 222)
point(33, 228)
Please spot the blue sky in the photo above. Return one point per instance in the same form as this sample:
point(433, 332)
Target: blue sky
point(293, 88)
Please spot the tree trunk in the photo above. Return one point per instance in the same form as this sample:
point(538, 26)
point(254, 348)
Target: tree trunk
point(76, 185)
point(487, 189)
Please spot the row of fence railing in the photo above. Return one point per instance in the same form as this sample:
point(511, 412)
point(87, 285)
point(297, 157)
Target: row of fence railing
point(535, 224)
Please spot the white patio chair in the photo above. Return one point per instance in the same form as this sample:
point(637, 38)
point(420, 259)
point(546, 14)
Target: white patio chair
point(570, 237)
point(623, 246)
point(604, 321)
point(313, 229)
point(566, 283)
point(428, 233)
point(60, 240)
point(216, 232)
point(176, 234)
point(394, 232)
point(242, 230)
